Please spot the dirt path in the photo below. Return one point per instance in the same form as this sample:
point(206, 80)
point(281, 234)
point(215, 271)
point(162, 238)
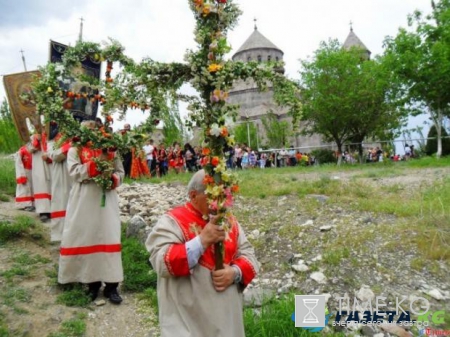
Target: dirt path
point(29, 303)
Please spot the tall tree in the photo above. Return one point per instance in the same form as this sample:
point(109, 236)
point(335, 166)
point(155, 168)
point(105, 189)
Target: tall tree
point(420, 58)
point(5, 113)
point(277, 132)
point(173, 129)
point(9, 137)
point(345, 97)
point(246, 133)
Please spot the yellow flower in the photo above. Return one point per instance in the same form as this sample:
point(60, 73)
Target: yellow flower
point(49, 90)
point(214, 67)
point(226, 176)
point(214, 191)
point(231, 141)
point(221, 167)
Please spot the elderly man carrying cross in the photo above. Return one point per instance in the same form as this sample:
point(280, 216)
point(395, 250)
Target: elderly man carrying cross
point(195, 300)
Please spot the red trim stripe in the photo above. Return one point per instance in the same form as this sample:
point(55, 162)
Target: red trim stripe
point(24, 199)
point(58, 214)
point(43, 196)
point(91, 250)
point(21, 180)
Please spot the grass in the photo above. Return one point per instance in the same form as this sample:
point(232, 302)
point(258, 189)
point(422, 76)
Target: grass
point(138, 274)
point(4, 198)
point(74, 296)
point(23, 264)
point(334, 257)
point(75, 327)
point(14, 230)
point(7, 176)
point(273, 319)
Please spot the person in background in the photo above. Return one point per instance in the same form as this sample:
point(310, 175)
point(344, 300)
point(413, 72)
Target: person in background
point(24, 180)
point(126, 155)
point(61, 185)
point(149, 149)
point(41, 175)
point(190, 158)
point(194, 299)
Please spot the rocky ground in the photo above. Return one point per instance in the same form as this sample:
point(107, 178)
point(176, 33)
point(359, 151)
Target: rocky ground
point(308, 245)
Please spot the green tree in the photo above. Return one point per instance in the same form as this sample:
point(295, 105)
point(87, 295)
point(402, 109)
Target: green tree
point(5, 113)
point(174, 129)
point(242, 133)
point(9, 137)
point(420, 59)
point(346, 97)
point(277, 132)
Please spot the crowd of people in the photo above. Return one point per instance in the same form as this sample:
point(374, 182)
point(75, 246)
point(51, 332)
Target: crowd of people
point(174, 158)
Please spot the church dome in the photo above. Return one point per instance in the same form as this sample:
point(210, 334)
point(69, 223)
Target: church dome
point(258, 48)
point(354, 41)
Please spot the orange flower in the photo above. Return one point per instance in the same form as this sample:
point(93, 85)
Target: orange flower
point(215, 161)
point(214, 67)
point(208, 180)
point(235, 188)
point(206, 151)
point(206, 9)
point(109, 118)
point(109, 80)
point(198, 2)
point(224, 132)
point(204, 161)
point(89, 144)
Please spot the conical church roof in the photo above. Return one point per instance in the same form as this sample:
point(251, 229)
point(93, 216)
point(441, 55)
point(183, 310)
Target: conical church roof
point(354, 41)
point(257, 41)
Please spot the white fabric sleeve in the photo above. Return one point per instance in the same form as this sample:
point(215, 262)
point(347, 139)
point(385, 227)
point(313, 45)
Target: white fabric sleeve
point(195, 250)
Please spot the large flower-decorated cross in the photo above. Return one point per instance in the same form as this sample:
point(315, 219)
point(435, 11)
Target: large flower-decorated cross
point(152, 86)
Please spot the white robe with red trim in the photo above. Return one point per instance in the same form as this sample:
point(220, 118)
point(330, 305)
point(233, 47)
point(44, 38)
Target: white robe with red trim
point(24, 188)
point(91, 245)
point(61, 184)
point(41, 179)
point(189, 306)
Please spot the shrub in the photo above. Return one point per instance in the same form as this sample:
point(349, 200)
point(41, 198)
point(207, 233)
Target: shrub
point(14, 230)
point(138, 274)
point(7, 176)
point(431, 147)
point(324, 156)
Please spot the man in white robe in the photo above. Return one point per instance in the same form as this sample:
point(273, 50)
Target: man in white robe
point(61, 184)
point(194, 299)
point(91, 241)
point(41, 176)
point(24, 188)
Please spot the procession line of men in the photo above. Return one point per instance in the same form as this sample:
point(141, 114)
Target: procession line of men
point(56, 180)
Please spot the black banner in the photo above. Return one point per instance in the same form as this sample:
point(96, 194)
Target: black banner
point(83, 106)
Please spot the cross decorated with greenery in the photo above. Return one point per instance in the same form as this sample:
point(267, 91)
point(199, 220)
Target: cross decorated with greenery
point(152, 86)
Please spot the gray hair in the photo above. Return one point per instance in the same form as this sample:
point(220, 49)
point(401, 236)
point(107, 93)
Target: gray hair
point(196, 182)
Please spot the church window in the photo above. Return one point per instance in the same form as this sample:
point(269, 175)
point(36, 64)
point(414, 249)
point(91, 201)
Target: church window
point(259, 58)
point(269, 58)
point(249, 59)
point(277, 58)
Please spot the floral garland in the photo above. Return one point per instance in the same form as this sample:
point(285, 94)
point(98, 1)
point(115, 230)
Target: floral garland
point(154, 86)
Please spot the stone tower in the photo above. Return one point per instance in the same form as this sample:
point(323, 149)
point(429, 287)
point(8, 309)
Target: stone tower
point(254, 105)
point(353, 41)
